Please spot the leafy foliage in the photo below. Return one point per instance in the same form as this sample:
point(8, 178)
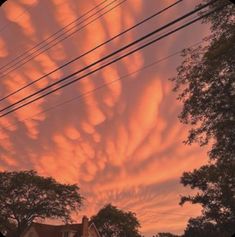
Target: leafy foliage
point(113, 222)
point(165, 234)
point(216, 184)
point(198, 227)
point(25, 196)
point(206, 85)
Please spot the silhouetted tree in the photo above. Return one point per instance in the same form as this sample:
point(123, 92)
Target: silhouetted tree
point(5, 225)
point(205, 83)
point(200, 227)
point(26, 196)
point(216, 185)
point(113, 222)
point(206, 86)
point(166, 234)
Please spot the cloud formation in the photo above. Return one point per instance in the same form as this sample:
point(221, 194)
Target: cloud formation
point(121, 143)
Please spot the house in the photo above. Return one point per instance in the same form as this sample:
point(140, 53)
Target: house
point(85, 229)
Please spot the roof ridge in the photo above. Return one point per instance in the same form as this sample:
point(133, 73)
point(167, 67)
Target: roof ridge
point(37, 223)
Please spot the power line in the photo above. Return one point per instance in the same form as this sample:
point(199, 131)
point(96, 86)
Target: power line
point(102, 66)
point(147, 66)
point(108, 56)
point(51, 36)
point(38, 51)
point(93, 49)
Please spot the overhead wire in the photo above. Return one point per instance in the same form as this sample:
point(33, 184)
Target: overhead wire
point(56, 40)
point(82, 95)
point(153, 41)
point(95, 69)
point(51, 36)
point(93, 49)
point(107, 57)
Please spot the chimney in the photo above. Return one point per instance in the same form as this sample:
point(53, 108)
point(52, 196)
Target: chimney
point(85, 227)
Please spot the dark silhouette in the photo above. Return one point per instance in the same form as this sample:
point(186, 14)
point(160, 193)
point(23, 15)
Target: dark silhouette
point(1, 235)
point(1, 2)
point(166, 234)
point(43, 198)
point(205, 82)
point(233, 235)
point(112, 222)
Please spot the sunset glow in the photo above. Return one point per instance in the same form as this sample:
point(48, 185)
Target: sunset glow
point(115, 133)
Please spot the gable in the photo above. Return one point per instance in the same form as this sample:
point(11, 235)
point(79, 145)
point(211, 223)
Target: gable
point(93, 232)
point(41, 230)
point(31, 232)
point(69, 230)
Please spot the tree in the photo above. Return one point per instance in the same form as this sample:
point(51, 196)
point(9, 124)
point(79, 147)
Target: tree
point(25, 196)
point(166, 234)
point(205, 82)
point(199, 227)
point(216, 184)
point(5, 226)
point(113, 222)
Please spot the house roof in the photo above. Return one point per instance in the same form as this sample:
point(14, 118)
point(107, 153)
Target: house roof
point(45, 230)
point(55, 231)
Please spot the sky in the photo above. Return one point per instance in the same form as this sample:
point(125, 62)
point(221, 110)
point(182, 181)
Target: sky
point(115, 133)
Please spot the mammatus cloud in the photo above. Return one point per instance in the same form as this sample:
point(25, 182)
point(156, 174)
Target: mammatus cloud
point(121, 143)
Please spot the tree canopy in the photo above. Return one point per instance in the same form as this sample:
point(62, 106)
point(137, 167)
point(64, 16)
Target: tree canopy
point(206, 85)
point(114, 222)
point(26, 196)
point(165, 234)
point(216, 184)
point(200, 227)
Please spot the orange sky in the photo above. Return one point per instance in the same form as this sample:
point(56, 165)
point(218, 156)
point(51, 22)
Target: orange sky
point(122, 143)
